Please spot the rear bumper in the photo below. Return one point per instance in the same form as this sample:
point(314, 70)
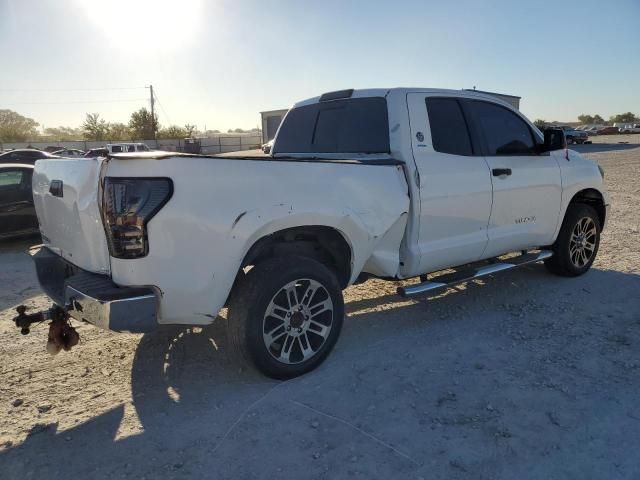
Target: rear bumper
point(94, 298)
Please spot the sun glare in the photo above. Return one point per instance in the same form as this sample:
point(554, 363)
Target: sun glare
point(145, 26)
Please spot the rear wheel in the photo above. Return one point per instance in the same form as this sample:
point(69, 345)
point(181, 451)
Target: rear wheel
point(578, 241)
point(286, 315)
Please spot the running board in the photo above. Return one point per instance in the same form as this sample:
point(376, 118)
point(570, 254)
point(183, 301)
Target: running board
point(454, 278)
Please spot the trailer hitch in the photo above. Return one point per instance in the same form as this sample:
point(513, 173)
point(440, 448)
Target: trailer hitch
point(62, 336)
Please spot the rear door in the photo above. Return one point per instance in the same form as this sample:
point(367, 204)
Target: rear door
point(66, 196)
point(527, 185)
point(455, 183)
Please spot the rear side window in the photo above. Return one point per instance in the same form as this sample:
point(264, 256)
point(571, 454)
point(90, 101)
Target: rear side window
point(449, 132)
point(504, 131)
point(10, 179)
point(355, 125)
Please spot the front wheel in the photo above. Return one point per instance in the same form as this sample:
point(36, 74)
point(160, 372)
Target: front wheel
point(286, 315)
point(578, 241)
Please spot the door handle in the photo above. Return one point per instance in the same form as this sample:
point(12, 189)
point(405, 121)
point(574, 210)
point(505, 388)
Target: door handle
point(498, 172)
point(55, 188)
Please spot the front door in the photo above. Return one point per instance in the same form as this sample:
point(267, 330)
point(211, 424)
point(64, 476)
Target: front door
point(455, 184)
point(527, 185)
point(17, 213)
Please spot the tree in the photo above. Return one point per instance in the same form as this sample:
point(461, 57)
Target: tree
point(590, 119)
point(62, 133)
point(539, 122)
point(16, 128)
point(584, 118)
point(94, 127)
point(190, 129)
point(173, 131)
point(142, 126)
point(118, 131)
point(623, 118)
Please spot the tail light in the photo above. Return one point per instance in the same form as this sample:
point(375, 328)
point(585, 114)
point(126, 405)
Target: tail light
point(128, 204)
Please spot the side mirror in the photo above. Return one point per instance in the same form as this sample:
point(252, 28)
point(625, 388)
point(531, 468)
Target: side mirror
point(554, 139)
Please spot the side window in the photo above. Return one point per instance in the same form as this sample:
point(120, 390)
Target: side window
point(354, 125)
point(505, 132)
point(10, 179)
point(449, 131)
point(116, 149)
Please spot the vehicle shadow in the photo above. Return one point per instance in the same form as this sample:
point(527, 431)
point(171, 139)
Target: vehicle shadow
point(17, 275)
point(596, 147)
point(190, 395)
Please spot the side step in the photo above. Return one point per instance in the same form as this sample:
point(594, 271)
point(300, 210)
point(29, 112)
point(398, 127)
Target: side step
point(461, 276)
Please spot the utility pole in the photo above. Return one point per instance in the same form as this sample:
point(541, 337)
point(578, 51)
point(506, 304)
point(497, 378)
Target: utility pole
point(153, 115)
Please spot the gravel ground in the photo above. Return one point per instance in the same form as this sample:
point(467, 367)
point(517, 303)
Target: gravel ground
point(525, 375)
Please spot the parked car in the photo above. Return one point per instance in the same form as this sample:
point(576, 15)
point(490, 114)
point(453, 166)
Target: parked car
point(573, 135)
point(593, 130)
point(23, 155)
point(69, 153)
point(631, 128)
point(126, 147)
point(17, 213)
point(388, 183)
point(96, 152)
point(608, 131)
point(266, 148)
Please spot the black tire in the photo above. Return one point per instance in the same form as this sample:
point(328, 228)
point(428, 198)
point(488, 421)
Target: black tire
point(569, 140)
point(262, 288)
point(567, 259)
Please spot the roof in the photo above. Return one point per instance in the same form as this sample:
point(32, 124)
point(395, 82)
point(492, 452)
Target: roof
point(16, 165)
point(491, 93)
point(383, 92)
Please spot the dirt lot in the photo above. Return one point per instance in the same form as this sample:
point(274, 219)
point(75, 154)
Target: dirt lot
point(525, 375)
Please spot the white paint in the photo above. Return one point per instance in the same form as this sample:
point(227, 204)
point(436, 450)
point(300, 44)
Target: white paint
point(393, 226)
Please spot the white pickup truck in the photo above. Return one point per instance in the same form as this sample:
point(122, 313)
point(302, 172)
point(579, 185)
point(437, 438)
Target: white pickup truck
point(391, 183)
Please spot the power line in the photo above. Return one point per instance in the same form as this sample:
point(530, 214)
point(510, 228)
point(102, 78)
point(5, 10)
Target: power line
point(74, 102)
point(162, 108)
point(67, 89)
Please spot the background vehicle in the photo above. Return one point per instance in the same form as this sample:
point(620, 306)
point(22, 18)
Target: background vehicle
point(391, 183)
point(573, 135)
point(126, 147)
point(24, 155)
point(17, 213)
point(69, 152)
point(631, 128)
point(96, 152)
point(592, 130)
point(266, 148)
point(608, 131)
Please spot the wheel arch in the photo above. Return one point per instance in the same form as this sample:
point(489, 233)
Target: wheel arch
point(594, 198)
point(323, 243)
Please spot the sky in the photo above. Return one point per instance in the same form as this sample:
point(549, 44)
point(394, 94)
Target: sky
point(218, 63)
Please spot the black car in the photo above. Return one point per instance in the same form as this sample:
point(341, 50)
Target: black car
point(17, 213)
point(23, 155)
point(97, 152)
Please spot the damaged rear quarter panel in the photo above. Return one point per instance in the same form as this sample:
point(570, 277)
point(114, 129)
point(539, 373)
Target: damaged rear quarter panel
point(221, 207)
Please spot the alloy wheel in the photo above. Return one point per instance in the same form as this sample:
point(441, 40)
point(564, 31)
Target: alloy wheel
point(582, 243)
point(297, 321)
